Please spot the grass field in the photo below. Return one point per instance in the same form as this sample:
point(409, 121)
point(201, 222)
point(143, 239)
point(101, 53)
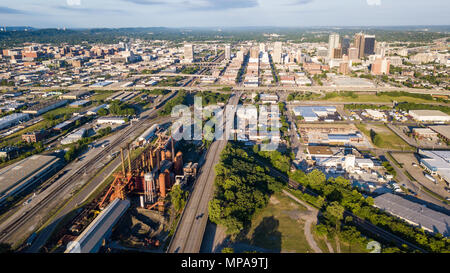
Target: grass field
point(389, 139)
point(101, 95)
point(377, 99)
point(277, 228)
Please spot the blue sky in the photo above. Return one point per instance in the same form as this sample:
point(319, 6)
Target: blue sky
point(216, 13)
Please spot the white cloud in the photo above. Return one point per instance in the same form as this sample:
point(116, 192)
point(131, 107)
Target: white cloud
point(374, 2)
point(73, 2)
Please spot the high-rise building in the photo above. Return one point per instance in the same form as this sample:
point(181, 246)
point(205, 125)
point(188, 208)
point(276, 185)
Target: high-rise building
point(337, 53)
point(381, 66)
point(380, 49)
point(189, 52)
point(345, 45)
point(262, 47)
point(343, 68)
point(359, 44)
point(333, 42)
point(353, 53)
point(299, 56)
point(227, 52)
point(369, 45)
point(277, 51)
point(254, 53)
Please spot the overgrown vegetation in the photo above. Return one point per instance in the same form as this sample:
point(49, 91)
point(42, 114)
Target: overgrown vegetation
point(243, 187)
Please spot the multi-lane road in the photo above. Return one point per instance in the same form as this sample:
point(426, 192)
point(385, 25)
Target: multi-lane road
point(191, 227)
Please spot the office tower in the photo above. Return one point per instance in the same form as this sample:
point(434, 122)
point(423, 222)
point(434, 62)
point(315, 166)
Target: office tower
point(353, 53)
point(254, 53)
point(380, 49)
point(345, 45)
point(343, 68)
point(359, 44)
point(240, 55)
point(189, 52)
point(381, 66)
point(277, 50)
point(369, 45)
point(333, 42)
point(227, 52)
point(262, 47)
point(337, 53)
point(299, 56)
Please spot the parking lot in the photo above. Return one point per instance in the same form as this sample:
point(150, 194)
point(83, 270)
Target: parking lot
point(411, 165)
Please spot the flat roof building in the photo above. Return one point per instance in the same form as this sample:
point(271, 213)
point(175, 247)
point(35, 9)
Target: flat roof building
point(429, 116)
point(25, 173)
point(13, 119)
point(91, 239)
point(414, 213)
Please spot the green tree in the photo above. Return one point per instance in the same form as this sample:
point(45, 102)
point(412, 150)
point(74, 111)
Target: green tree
point(336, 211)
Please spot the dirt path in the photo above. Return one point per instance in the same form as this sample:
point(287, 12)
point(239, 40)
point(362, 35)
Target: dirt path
point(330, 247)
point(338, 245)
point(310, 219)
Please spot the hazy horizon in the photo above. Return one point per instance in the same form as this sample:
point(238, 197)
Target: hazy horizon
point(223, 13)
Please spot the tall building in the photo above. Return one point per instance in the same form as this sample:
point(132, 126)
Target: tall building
point(381, 66)
point(353, 53)
point(345, 45)
point(380, 49)
point(277, 51)
point(262, 47)
point(333, 42)
point(299, 56)
point(343, 68)
point(189, 52)
point(337, 53)
point(227, 52)
point(359, 44)
point(369, 45)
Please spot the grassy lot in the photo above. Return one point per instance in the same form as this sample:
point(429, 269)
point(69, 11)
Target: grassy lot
point(361, 98)
point(389, 139)
point(276, 227)
point(101, 95)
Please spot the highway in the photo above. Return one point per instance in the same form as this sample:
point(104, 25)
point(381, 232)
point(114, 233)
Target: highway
point(192, 224)
point(20, 222)
point(313, 89)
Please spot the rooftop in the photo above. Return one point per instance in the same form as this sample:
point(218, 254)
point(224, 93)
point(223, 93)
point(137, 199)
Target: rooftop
point(413, 212)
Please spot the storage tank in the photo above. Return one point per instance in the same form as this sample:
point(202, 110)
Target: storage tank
point(149, 133)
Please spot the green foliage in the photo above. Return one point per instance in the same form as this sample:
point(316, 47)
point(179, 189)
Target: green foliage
point(227, 250)
point(179, 99)
point(178, 197)
point(405, 94)
point(242, 188)
point(120, 109)
point(366, 106)
point(346, 94)
point(211, 98)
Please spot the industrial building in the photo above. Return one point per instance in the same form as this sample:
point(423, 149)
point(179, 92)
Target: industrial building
point(74, 137)
point(94, 110)
point(13, 119)
point(148, 135)
point(44, 107)
point(429, 116)
point(443, 131)
point(23, 174)
point(437, 163)
point(100, 229)
point(111, 120)
point(313, 113)
point(75, 95)
point(414, 213)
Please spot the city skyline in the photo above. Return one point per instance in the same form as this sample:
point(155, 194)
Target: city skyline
point(221, 13)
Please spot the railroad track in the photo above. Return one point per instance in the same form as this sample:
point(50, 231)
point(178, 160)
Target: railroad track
point(12, 227)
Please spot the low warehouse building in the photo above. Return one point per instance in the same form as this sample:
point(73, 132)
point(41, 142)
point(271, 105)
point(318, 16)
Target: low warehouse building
point(100, 229)
point(25, 173)
point(429, 116)
point(414, 213)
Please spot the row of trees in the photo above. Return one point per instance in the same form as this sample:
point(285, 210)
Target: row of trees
point(339, 192)
point(243, 187)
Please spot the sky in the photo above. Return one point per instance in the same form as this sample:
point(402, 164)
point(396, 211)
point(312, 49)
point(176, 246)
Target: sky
point(221, 13)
